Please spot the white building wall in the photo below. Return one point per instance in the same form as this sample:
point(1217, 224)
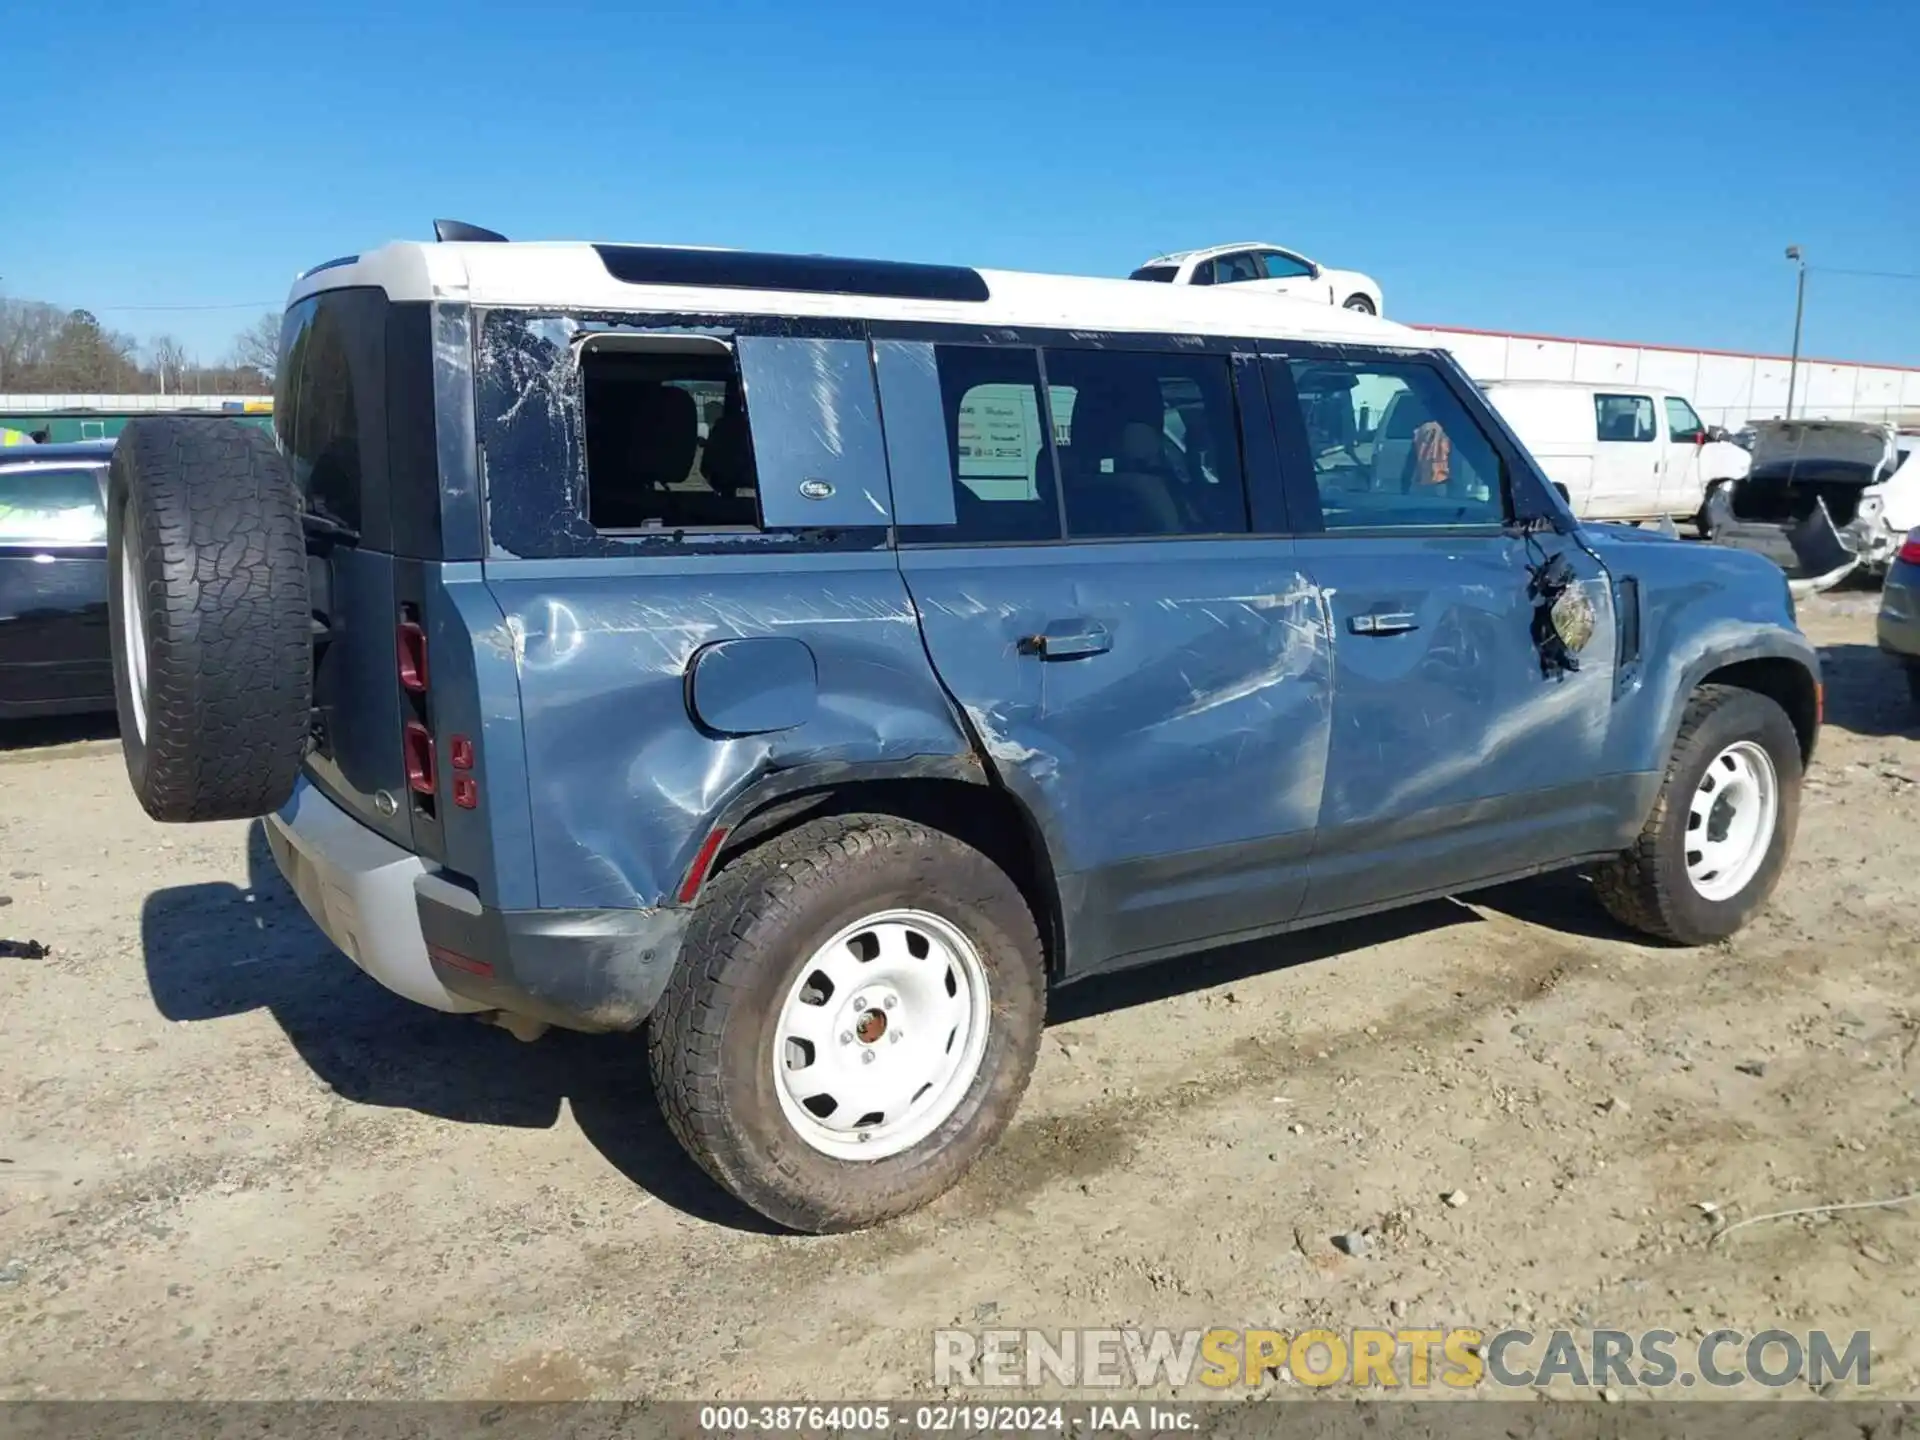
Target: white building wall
point(1726, 389)
point(122, 404)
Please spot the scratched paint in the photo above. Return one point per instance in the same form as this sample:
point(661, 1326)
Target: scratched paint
point(625, 784)
point(1233, 756)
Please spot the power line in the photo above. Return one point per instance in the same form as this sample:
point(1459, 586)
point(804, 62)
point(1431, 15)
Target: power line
point(1873, 274)
point(226, 305)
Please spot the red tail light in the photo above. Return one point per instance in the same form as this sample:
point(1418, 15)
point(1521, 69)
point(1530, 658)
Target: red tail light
point(416, 738)
point(1910, 552)
point(417, 741)
point(410, 647)
point(466, 789)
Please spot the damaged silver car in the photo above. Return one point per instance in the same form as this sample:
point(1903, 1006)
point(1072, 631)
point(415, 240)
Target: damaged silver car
point(1825, 498)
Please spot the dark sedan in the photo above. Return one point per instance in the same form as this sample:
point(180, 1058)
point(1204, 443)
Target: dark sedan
point(53, 580)
point(1900, 610)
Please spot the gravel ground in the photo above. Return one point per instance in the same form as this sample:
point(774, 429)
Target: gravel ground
point(230, 1166)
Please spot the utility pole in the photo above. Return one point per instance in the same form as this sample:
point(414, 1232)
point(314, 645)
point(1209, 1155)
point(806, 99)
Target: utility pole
point(1799, 309)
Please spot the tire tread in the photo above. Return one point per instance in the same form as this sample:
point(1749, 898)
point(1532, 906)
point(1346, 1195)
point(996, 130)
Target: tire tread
point(1636, 887)
point(755, 895)
point(229, 636)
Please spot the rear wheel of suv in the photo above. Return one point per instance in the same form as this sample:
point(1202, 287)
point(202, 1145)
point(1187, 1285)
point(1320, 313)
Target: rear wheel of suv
point(211, 625)
point(852, 1022)
point(1714, 846)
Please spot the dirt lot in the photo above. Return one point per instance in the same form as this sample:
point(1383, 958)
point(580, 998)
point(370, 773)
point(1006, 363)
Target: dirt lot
point(234, 1167)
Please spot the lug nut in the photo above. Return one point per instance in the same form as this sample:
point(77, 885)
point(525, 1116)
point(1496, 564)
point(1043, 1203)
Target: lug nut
point(859, 1002)
point(866, 1057)
point(846, 1037)
point(888, 1002)
point(896, 1037)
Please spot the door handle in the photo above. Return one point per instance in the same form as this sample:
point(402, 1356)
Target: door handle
point(1371, 624)
point(1069, 640)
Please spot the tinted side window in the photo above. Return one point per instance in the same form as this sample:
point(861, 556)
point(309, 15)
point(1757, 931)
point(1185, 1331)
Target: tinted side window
point(1683, 422)
point(1003, 484)
point(1284, 267)
point(667, 442)
point(1624, 417)
point(329, 410)
point(1232, 269)
point(51, 507)
point(1148, 443)
point(1392, 445)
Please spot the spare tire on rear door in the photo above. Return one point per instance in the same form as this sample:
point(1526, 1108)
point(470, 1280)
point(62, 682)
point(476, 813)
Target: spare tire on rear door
point(210, 617)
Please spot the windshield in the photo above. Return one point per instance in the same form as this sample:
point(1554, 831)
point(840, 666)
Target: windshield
point(1163, 273)
point(45, 505)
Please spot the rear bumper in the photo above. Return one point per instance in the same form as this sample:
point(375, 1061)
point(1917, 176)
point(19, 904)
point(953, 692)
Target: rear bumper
point(1815, 550)
point(431, 940)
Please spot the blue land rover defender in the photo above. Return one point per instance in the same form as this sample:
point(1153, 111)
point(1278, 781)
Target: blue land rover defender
point(819, 660)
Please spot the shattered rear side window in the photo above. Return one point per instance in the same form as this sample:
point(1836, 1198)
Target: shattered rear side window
point(668, 444)
point(581, 455)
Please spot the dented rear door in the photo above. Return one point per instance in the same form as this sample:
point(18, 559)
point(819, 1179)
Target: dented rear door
point(1159, 703)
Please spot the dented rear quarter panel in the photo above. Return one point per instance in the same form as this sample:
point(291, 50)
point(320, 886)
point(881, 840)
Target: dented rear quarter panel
point(624, 783)
point(1702, 607)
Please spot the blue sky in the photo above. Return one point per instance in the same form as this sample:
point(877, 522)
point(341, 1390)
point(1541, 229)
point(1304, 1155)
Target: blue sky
point(1626, 170)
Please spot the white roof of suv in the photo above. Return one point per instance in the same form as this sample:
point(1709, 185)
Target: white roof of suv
point(578, 276)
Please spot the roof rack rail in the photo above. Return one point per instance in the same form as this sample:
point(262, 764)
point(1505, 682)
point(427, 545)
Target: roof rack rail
point(449, 230)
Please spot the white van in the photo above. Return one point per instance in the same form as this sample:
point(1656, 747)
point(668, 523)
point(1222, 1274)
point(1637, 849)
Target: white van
point(1619, 452)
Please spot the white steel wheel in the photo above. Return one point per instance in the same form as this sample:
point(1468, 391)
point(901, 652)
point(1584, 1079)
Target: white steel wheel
point(881, 1035)
point(133, 608)
point(1731, 820)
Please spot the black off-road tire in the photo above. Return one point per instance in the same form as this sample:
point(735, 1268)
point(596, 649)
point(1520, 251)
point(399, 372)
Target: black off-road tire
point(1647, 886)
point(761, 919)
point(212, 519)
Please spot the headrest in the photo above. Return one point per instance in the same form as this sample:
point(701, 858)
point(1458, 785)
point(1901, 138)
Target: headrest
point(727, 462)
point(664, 435)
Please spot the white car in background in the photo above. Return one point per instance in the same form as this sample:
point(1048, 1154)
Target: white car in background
point(1268, 268)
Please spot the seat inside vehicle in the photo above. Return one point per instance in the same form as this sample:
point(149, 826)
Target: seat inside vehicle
point(667, 442)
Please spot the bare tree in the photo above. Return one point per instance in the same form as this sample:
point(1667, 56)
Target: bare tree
point(27, 331)
point(89, 359)
point(258, 347)
point(169, 363)
point(48, 350)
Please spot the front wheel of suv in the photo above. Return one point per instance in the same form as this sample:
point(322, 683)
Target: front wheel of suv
point(852, 1022)
point(1713, 848)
